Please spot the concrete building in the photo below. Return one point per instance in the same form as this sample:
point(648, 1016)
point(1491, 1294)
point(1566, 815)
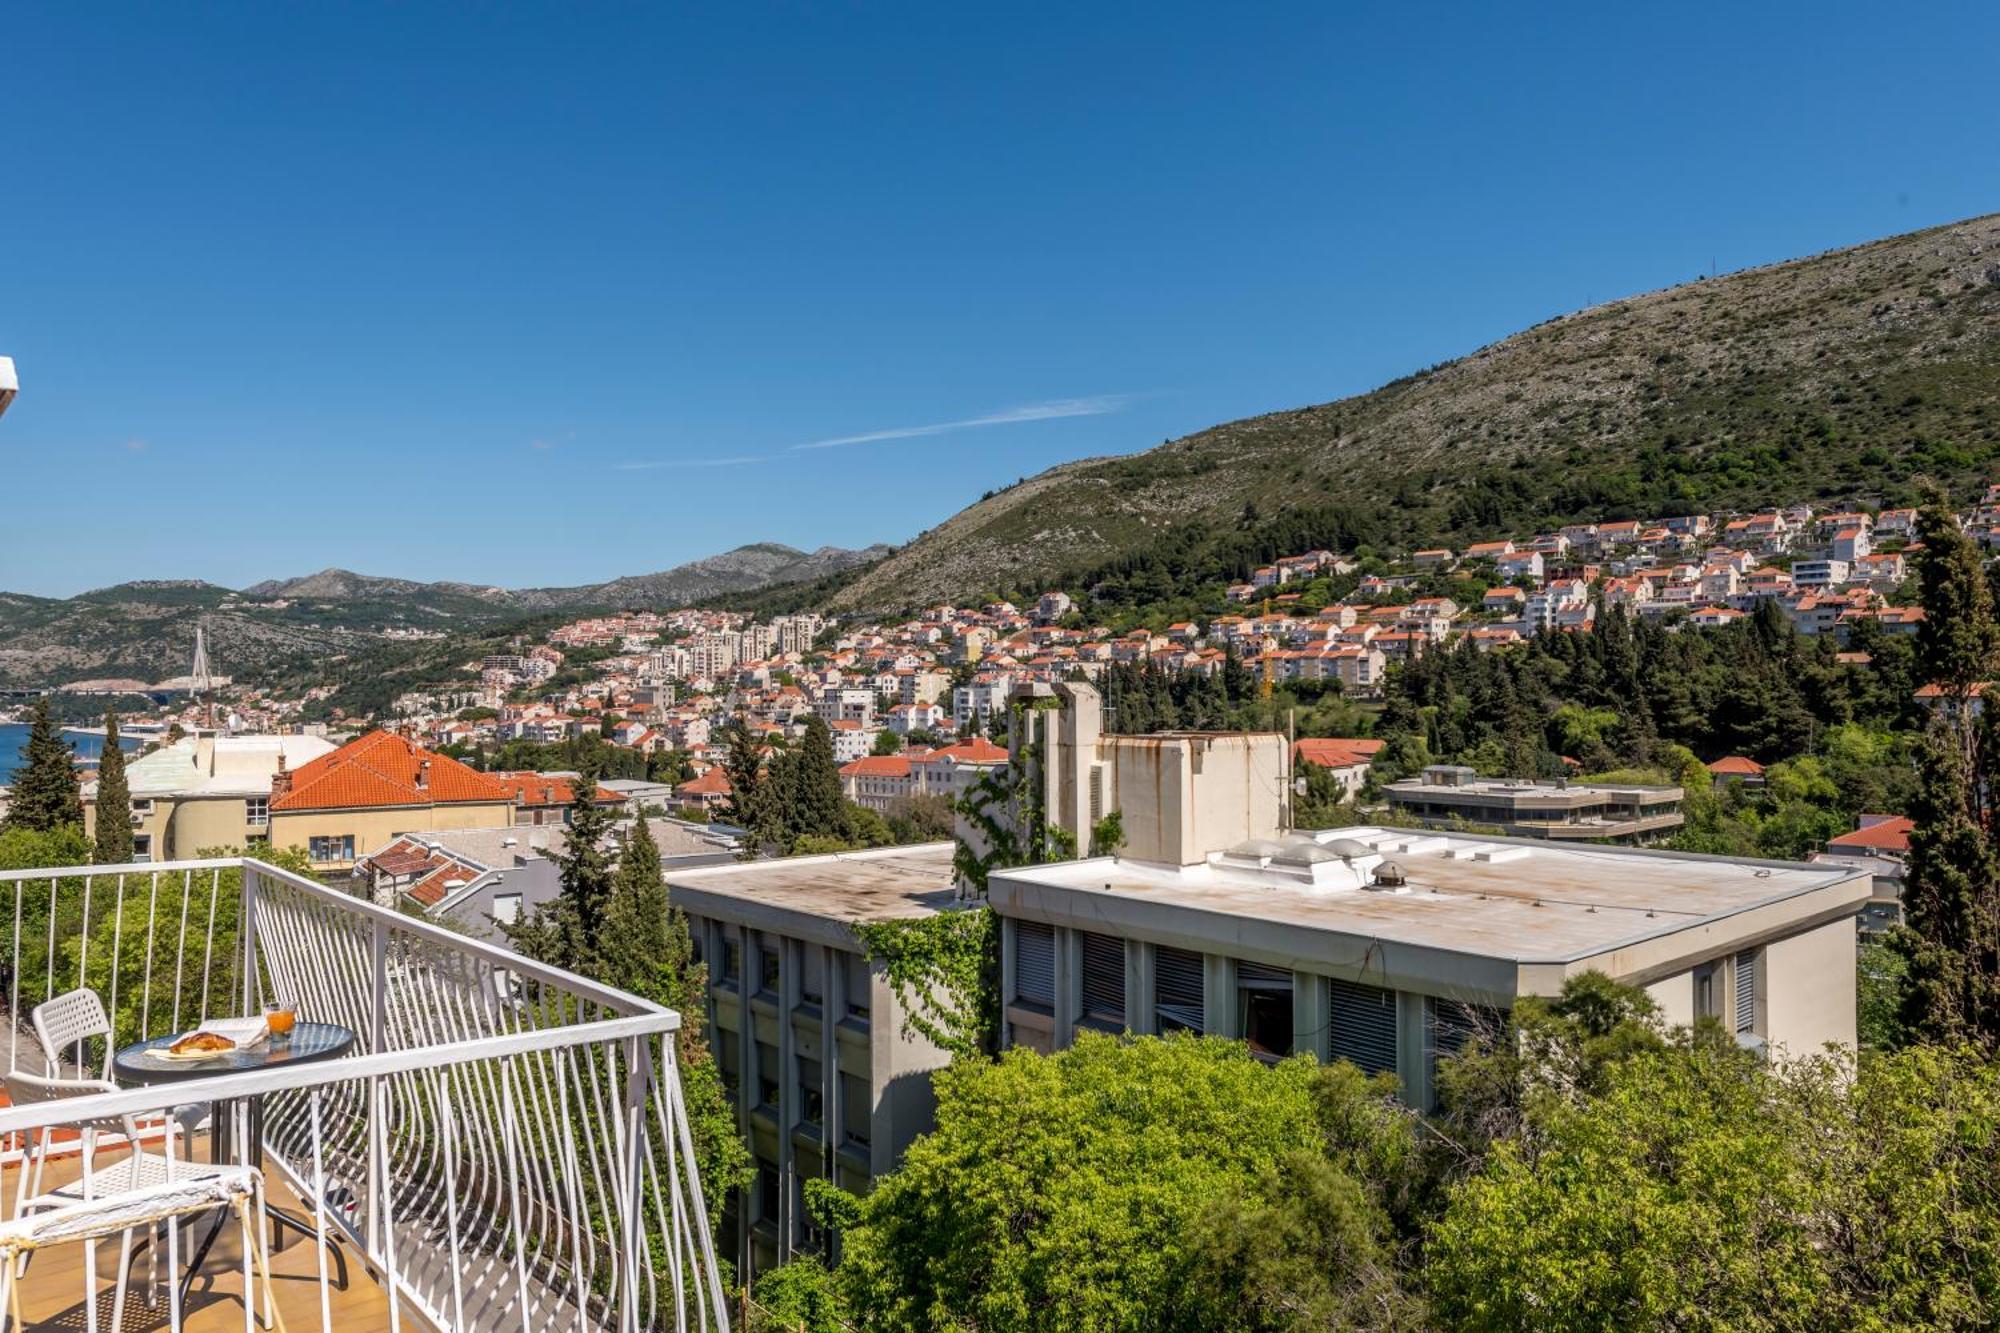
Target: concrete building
point(808, 1033)
point(370, 790)
point(1389, 947)
point(1448, 795)
point(206, 790)
point(1177, 793)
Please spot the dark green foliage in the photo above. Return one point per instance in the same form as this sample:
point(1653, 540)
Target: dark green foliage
point(46, 795)
point(570, 932)
point(1951, 894)
point(114, 799)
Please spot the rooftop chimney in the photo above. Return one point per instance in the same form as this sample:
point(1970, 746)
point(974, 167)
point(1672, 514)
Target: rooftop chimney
point(423, 774)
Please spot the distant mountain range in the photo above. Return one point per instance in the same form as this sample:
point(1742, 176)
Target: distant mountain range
point(145, 630)
point(1849, 376)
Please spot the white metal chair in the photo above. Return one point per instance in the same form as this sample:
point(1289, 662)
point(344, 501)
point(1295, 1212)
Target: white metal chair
point(138, 1170)
point(74, 1018)
point(239, 1189)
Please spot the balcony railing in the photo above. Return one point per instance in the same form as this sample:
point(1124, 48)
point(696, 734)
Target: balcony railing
point(506, 1147)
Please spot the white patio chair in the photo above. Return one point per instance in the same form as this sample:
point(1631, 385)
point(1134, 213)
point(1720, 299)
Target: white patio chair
point(139, 1170)
point(239, 1189)
point(73, 1019)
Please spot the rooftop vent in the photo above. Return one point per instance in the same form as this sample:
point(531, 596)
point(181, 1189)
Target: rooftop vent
point(1389, 875)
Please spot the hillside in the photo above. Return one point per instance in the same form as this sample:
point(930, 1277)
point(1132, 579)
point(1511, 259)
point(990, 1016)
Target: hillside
point(1846, 376)
point(145, 630)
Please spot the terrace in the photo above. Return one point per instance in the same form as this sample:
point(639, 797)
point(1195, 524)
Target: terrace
point(505, 1145)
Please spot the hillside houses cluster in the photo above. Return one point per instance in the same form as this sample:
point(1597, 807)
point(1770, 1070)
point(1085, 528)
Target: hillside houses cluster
point(933, 681)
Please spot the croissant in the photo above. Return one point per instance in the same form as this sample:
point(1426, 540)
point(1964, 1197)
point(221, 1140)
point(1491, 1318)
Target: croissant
point(201, 1042)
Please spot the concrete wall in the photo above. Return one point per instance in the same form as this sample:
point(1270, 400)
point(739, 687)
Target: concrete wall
point(1809, 990)
point(374, 828)
point(1675, 996)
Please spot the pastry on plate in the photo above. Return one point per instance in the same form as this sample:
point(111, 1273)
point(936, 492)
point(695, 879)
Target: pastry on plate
point(202, 1043)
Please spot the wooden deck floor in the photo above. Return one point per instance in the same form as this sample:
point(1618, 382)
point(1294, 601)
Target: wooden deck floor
point(55, 1297)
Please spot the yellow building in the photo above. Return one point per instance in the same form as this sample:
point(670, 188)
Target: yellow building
point(205, 790)
point(345, 804)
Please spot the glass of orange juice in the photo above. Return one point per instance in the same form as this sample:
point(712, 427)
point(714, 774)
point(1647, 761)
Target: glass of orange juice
point(280, 1016)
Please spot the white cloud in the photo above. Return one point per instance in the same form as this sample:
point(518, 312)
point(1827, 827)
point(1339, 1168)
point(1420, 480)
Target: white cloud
point(1097, 406)
point(135, 445)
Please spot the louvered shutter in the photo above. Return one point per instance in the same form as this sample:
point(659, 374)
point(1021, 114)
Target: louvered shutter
point(1363, 1025)
point(1035, 963)
point(1103, 977)
point(1177, 990)
point(1746, 991)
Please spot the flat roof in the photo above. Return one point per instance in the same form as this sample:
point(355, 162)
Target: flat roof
point(1521, 900)
point(849, 888)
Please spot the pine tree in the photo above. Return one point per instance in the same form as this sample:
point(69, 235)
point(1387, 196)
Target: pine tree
point(114, 799)
point(45, 795)
point(569, 932)
point(1952, 892)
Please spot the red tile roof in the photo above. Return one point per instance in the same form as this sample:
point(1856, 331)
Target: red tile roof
point(531, 789)
point(712, 783)
point(878, 766)
point(383, 769)
point(1891, 834)
point(1736, 766)
point(1335, 751)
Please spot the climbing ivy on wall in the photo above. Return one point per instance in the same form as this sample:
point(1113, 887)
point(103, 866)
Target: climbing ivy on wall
point(945, 970)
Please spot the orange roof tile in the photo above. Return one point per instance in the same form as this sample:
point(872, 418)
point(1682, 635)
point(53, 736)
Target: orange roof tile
point(1336, 751)
point(383, 769)
point(1888, 835)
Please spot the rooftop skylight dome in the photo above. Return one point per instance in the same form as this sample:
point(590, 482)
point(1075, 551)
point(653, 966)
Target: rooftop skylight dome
point(1321, 861)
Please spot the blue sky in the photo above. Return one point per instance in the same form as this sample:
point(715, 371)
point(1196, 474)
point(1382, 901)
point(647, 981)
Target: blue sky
point(535, 295)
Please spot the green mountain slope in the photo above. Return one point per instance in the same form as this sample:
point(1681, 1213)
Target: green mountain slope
point(1845, 376)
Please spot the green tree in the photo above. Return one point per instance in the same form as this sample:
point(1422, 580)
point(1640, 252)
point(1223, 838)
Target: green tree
point(45, 794)
point(886, 743)
point(114, 799)
point(1088, 1190)
point(646, 949)
point(1952, 891)
point(569, 932)
point(816, 803)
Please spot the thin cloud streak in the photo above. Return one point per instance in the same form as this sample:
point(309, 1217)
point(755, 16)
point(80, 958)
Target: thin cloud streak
point(1097, 406)
point(658, 464)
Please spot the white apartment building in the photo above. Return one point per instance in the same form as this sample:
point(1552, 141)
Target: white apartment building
point(1820, 573)
point(981, 700)
point(1389, 947)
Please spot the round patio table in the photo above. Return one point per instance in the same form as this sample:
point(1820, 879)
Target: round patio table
point(310, 1043)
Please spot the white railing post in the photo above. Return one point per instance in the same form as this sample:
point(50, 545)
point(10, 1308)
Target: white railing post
point(378, 1165)
point(246, 934)
point(638, 1083)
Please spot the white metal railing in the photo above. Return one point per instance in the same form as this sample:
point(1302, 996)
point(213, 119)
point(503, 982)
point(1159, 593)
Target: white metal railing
point(507, 1145)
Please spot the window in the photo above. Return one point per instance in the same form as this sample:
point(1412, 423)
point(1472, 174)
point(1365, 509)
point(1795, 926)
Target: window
point(767, 969)
point(732, 961)
point(858, 984)
point(1103, 979)
point(1177, 990)
point(1363, 1025)
point(1035, 963)
point(506, 908)
point(767, 1076)
point(812, 977)
point(332, 847)
point(730, 1061)
point(1450, 1026)
point(1264, 1007)
point(142, 807)
point(1745, 1008)
point(257, 811)
point(812, 1091)
point(698, 939)
point(767, 1193)
point(257, 840)
point(142, 846)
point(857, 1113)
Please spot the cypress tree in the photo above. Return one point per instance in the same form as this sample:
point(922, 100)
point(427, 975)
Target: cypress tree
point(1952, 892)
point(114, 799)
point(818, 806)
point(570, 931)
point(45, 796)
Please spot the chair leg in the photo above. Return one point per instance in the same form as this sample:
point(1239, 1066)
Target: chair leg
point(128, 1253)
point(255, 1251)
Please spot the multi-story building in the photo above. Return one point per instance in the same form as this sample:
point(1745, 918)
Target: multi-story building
point(827, 1081)
point(340, 804)
point(205, 790)
point(1390, 947)
point(1448, 795)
